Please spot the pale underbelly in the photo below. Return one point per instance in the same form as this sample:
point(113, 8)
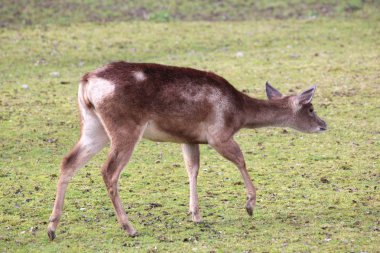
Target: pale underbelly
point(154, 133)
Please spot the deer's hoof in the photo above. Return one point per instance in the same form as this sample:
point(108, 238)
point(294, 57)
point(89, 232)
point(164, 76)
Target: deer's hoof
point(134, 234)
point(249, 210)
point(130, 230)
point(51, 234)
point(196, 218)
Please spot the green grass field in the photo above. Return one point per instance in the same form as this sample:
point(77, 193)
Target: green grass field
point(316, 193)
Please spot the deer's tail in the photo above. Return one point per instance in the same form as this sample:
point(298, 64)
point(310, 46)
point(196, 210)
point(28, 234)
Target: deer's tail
point(83, 98)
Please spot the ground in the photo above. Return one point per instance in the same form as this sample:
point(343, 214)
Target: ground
point(316, 193)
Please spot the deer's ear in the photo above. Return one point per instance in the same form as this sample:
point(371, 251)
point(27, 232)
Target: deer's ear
point(306, 96)
point(272, 92)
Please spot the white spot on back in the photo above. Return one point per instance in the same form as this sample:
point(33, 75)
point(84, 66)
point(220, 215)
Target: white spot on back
point(139, 76)
point(98, 89)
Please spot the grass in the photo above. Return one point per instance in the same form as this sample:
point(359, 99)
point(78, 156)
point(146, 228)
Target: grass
point(316, 193)
point(34, 12)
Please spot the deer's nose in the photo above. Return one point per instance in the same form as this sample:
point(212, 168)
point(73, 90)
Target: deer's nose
point(323, 126)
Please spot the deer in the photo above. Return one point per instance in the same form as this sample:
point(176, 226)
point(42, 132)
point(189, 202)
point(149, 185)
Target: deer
point(121, 103)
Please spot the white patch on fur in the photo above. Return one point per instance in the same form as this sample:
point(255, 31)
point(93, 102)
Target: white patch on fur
point(153, 133)
point(93, 136)
point(98, 89)
point(139, 76)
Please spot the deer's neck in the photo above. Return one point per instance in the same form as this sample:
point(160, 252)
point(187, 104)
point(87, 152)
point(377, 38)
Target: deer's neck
point(263, 113)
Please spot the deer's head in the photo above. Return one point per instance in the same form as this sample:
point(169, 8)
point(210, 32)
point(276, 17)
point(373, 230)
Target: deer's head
point(303, 116)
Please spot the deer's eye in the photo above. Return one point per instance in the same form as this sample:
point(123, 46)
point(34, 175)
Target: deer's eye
point(311, 110)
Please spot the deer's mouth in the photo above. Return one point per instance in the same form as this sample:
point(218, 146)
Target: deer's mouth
point(322, 129)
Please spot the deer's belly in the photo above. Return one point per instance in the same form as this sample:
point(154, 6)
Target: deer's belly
point(187, 134)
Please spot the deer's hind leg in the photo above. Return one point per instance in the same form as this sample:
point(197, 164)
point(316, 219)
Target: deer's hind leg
point(93, 139)
point(123, 142)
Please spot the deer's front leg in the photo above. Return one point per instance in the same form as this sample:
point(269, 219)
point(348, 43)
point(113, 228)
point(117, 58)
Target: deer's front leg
point(191, 157)
point(231, 151)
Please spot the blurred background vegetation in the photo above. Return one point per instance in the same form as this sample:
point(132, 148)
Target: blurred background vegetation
point(32, 12)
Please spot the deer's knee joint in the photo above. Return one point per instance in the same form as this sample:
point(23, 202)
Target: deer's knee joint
point(108, 177)
point(111, 191)
point(54, 218)
point(111, 184)
point(240, 163)
point(193, 170)
point(69, 160)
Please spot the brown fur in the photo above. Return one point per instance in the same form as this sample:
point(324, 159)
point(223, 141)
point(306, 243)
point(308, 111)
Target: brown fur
point(156, 98)
point(166, 103)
